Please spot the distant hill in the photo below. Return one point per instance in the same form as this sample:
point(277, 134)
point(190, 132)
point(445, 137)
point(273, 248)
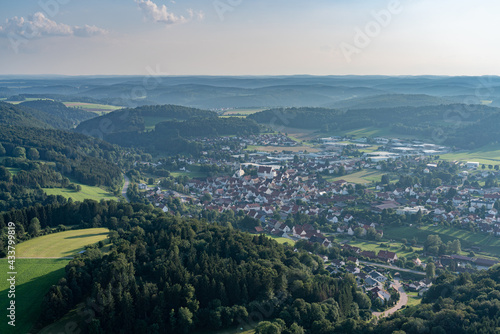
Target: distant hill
point(391, 101)
point(57, 114)
point(215, 92)
point(137, 119)
point(166, 129)
point(466, 126)
point(12, 115)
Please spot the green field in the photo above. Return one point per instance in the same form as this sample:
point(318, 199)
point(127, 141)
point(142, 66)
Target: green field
point(61, 244)
point(281, 240)
point(361, 177)
point(242, 111)
point(33, 279)
point(375, 246)
point(282, 148)
point(413, 299)
point(490, 245)
point(13, 170)
point(27, 99)
point(150, 121)
point(92, 107)
point(87, 192)
point(194, 171)
point(488, 155)
point(36, 275)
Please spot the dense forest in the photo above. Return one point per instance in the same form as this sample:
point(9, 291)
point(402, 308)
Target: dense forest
point(88, 160)
point(171, 275)
point(168, 274)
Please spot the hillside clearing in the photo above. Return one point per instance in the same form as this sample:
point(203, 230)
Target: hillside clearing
point(87, 192)
point(61, 244)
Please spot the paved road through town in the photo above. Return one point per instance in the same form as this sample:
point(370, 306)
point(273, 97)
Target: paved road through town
point(403, 300)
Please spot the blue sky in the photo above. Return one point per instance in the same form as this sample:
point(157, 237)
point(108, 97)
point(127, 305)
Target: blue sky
point(253, 37)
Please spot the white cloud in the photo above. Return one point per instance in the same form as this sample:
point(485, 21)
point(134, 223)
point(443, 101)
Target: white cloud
point(159, 14)
point(37, 26)
point(88, 31)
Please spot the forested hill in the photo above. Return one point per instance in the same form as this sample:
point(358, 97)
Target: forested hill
point(12, 115)
point(457, 124)
point(391, 101)
point(56, 114)
point(172, 275)
point(166, 274)
point(88, 160)
point(125, 120)
point(164, 129)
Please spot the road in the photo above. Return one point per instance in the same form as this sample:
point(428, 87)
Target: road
point(393, 268)
point(125, 187)
point(403, 300)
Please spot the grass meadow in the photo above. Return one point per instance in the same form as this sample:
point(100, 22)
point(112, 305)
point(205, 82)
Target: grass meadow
point(61, 244)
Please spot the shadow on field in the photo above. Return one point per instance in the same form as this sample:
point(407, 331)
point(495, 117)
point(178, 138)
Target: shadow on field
point(28, 300)
point(86, 235)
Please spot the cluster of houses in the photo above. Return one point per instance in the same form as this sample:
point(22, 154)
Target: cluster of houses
point(383, 255)
point(371, 280)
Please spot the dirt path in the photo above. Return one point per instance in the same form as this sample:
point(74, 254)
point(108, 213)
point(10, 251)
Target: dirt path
point(403, 300)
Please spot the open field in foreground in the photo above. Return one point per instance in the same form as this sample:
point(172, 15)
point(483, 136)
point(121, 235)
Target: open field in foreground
point(33, 280)
point(61, 244)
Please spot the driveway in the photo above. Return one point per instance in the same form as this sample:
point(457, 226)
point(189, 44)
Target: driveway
point(125, 187)
point(403, 300)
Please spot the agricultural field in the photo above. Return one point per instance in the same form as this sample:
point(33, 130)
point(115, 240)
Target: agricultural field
point(43, 268)
point(87, 192)
point(92, 107)
point(150, 121)
point(25, 100)
point(282, 148)
point(61, 244)
point(395, 247)
point(488, 155)
point(242, 111)
point(361, 177)
point(33, 280)
point(490, 245)
point(13, 170)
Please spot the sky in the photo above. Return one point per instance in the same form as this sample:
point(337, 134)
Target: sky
point(249, 37)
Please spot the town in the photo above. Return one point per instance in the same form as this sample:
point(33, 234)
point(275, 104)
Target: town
point(304, 195)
